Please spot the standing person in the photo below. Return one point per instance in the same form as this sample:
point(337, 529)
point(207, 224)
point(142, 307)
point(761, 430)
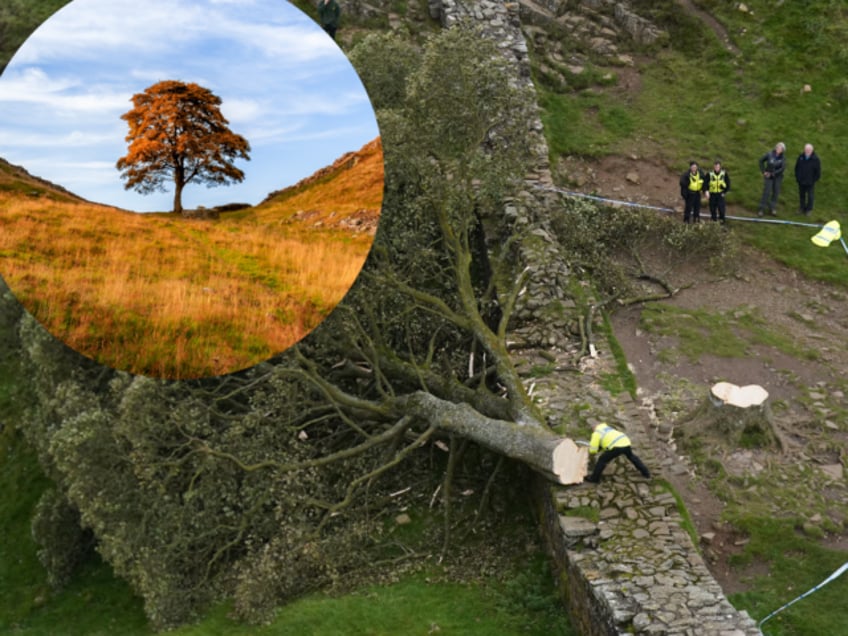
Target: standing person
point(328, 14)
point(718, 184)
point(613, 443)
point(807, 172)
point(772, 165)
point(692, 185)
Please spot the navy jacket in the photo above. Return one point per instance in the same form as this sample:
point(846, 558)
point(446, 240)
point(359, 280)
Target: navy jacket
point(808, 171)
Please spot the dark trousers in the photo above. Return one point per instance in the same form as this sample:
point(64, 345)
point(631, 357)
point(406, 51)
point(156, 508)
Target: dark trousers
point(806, 194)
point(609, 455)
point(771, 191)
point(717, 205)
point(331, 30)
point(692, 207)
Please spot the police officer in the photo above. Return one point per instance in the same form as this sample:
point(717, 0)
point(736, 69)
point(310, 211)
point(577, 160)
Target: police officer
point(692, 185)
point(613, 443)
point(718, 183)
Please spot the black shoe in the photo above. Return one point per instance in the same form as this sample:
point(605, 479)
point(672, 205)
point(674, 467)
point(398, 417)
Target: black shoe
point(592, 480)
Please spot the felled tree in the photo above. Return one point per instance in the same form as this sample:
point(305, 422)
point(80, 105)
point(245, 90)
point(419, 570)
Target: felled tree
point(266, 483)
point(177, 132)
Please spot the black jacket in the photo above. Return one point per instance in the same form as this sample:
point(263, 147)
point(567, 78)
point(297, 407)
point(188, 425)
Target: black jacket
point(684, 183)
point(808, 171)
point(773, 163)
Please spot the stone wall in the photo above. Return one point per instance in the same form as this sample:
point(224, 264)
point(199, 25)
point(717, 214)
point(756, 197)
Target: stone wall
point(625, 563)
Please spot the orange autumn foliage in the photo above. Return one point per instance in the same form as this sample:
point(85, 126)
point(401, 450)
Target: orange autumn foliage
point(177, 131)
point(171, 297)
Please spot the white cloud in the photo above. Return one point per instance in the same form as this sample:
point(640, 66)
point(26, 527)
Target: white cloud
point(284, 86)
point(46, 139)
point(34, 87)
point(88, 29)
point(238, 110)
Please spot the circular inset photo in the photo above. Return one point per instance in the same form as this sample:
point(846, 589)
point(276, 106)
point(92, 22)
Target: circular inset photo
point(187, 188)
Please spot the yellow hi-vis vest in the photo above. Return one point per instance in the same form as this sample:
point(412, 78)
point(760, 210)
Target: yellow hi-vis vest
point(717, 183)
point(606, 437)
point(696, 182)
point(829, 232)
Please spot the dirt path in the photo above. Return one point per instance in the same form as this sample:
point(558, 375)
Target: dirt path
point(716, 26)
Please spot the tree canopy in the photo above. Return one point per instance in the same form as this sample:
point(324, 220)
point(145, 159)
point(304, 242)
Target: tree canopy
point(260, 485)
point(177, 131)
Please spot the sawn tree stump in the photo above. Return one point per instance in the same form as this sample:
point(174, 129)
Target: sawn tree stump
point(740, 415)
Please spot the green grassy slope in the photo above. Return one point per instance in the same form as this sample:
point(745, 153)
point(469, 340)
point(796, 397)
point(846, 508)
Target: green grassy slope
point(700, 101)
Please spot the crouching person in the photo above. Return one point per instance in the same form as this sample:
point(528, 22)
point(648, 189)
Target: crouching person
point(612, 443)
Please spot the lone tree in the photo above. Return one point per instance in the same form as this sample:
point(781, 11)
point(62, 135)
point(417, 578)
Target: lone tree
point(177, 131)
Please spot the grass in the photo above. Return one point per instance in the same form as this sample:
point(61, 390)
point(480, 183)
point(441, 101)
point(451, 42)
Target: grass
point(730, 334)
point(685, 518)
point(523, 601)
point(585, 124)
point(795, 564)
point(169, 297)
point(699, 101)
point(623, 380)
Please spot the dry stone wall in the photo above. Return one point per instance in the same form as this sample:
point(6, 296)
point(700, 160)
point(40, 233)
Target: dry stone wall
point(626, 564)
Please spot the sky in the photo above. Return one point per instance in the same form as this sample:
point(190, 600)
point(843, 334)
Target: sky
point(284, 84)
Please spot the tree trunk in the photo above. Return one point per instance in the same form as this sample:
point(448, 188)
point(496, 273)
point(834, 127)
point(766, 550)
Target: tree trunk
point(558, 458)
point(738, 415)
point(178, 198)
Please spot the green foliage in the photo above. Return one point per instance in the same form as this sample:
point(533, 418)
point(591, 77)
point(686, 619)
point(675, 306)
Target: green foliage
point(795, 563)
point(64, 544)
point(687, 33)
point(520, 601)
point(384, 62)
point(21, 483)
point(607, 243)
point(17, 18)
point(198, 491)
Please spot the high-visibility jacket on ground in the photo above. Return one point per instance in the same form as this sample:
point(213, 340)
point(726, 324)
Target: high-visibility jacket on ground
point(829, 232)
point(606, 437)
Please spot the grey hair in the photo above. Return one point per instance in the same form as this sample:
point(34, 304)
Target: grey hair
point(781, 145)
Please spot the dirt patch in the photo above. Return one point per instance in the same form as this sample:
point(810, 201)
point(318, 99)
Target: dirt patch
point(807, 384)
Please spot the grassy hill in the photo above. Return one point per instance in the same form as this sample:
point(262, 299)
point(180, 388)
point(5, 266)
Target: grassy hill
point(778, 77)
point(162, 295)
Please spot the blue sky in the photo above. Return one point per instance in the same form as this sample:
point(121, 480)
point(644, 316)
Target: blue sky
point(285, 86)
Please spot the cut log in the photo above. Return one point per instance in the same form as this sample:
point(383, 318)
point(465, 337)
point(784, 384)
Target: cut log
point(558, 458)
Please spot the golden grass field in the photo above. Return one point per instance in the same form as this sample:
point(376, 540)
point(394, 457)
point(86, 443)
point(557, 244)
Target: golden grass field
point(165, 296)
